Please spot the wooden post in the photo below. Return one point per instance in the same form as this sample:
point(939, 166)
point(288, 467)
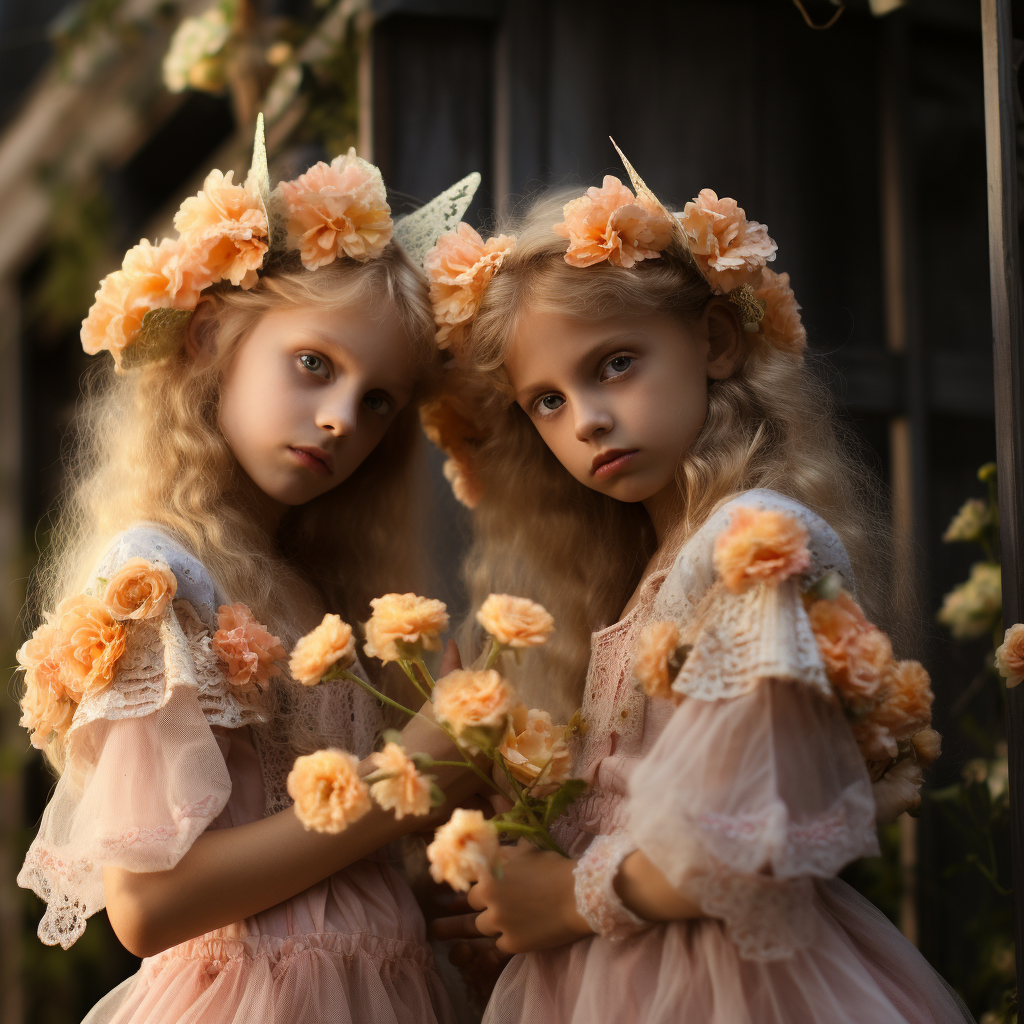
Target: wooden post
point(1008, 346)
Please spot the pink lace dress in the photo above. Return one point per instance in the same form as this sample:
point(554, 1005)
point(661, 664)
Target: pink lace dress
point(171, 749)
point(749, 796)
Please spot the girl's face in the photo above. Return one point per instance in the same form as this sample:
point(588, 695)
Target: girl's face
point(620, 401)
point(309, 394)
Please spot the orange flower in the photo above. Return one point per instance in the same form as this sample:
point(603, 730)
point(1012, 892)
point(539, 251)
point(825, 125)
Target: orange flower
point(729, 249)
point(1010, 655)
point(246, 647)
point(152, 277)
point(448, 423)
point(464, 484)
point(658, 643)
point(459, 268)
point(533, 745)
point(47, 706)
point(610, 223)
point(927, 746)
point(515, 621)
point(336, 210)
point(875, 742)
point(781, 326)
point(906, 708)
point(464, 850)
point(857, 655)
point(327, 790)
point(474, 701)
point(404, 618)
point(760, 546)
point(140, 590)
point(224, 230)
point(92, 642)
point(329, 644)
point(403, 790)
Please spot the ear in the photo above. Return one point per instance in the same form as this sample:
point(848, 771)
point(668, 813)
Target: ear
point(725, 339)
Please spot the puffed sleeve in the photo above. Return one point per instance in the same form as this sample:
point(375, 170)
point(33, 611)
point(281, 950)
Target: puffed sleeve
point(145, 773)
point(756, 785)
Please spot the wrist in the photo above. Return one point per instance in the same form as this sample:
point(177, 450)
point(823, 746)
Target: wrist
point(572, 919)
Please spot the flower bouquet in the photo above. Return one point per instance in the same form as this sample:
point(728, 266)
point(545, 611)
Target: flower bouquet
point(477, 708)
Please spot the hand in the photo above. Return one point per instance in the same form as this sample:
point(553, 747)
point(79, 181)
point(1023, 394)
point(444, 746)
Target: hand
point(532, 906)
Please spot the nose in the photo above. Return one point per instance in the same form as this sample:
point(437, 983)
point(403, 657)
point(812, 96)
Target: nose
point(591, 419)
point(338, 413)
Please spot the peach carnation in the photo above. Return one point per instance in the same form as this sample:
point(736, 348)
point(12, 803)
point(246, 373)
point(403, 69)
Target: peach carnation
point(468, 701)
point(515, 621)
point(463, 481)
point(246, 647)
point(532, 747)
point(906, 708)
point(464, 850)
point(610, 223)
point(459, 268)
point(406, 619)
point(874, 740)
point(448, 423)
point(898, 790)
point(47, 706)
point(140, 589)
point(927, 746)
point(337, 209)
point(92, 642)
point(327, 791)
point(1010, 655)
point(729, 249)
point(781, 326)
point(331, 643)
point(760, 546)
point(152, 277)
point(657, 645)
point(402, 789)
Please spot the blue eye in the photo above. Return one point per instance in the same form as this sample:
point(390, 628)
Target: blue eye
point(549, 403)
point(378, 404)
point(616, 366)
point(315, 365)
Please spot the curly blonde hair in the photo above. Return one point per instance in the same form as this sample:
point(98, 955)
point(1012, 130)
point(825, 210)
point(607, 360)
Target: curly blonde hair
point(541, 533)
point(147, 447)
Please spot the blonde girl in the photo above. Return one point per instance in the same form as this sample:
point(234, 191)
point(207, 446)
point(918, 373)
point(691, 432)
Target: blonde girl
point(247, 467)
point(650, 458)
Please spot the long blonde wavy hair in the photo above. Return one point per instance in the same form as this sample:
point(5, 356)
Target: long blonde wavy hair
point(541, 533)
point(147, 447)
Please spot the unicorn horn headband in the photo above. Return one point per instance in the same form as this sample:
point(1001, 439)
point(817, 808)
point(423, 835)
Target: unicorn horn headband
point(225, 232)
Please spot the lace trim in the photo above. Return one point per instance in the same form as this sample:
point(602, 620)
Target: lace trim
point(765, 918)
point(820, 847)
point(201, 809)
point(596, 898)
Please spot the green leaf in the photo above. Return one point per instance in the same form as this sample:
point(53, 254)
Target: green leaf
point(562, 797)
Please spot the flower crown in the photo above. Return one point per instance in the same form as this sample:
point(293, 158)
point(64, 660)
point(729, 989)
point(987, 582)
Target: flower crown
point(614, 224)
point(226, 231)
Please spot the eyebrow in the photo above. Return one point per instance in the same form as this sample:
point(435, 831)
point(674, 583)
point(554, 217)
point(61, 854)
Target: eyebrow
point(532, 393)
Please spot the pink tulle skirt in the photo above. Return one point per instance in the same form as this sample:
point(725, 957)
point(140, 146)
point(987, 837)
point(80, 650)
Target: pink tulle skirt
point(350, 950)
point(858, 970)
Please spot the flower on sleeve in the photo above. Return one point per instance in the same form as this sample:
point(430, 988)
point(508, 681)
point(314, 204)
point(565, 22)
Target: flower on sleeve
point(656, 651)
point(927, 746)
point(729, 249)
point(1010, 655)
point(906, 708)
point(406, 619)
point(533, 747)
point(459, 268)
point(92, 642)
point(331, 643)
point(760, 546)
point(337, 209)
point(610, 223)
point(224, 230)
point(328, 793)
point(401, 788)
point(515, 621)
point(474, 704)
point(47, 706)
point(464, 850)
point(247, 648)
point(140, 589)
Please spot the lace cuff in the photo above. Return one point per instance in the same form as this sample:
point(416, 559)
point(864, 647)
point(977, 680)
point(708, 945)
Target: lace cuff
point(596, 898)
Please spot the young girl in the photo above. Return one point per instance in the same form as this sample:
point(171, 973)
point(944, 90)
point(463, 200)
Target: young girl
point(650, 432)
point(247, 468)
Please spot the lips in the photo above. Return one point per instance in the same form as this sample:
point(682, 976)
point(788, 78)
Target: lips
point(313, 458)
point(609, 462)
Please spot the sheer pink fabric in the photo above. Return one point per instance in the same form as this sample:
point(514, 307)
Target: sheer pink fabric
point(749, 796)
point(170, 749)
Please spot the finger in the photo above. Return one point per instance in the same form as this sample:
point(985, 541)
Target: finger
point(459, 926)
point(477, 896)
point(451, 660)
point(488, 925)
point(499, 803)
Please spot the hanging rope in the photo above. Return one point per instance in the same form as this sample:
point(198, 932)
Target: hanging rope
point(810, 24)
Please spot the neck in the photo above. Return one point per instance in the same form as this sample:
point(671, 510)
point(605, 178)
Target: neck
point(664, 508)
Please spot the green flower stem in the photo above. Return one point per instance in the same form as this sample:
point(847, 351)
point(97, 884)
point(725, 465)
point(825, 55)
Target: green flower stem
point(373, 691)
point(404, 665)
point(538, 834)
point(427, 677)
point(443, 764)
point(493, 654)
point(517, 789)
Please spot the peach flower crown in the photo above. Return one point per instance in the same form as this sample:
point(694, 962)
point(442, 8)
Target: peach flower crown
point(614, 224)
point(225, 233)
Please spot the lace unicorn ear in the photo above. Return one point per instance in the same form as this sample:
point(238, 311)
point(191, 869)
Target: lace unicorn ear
point(418, 231)
point(258, 178)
